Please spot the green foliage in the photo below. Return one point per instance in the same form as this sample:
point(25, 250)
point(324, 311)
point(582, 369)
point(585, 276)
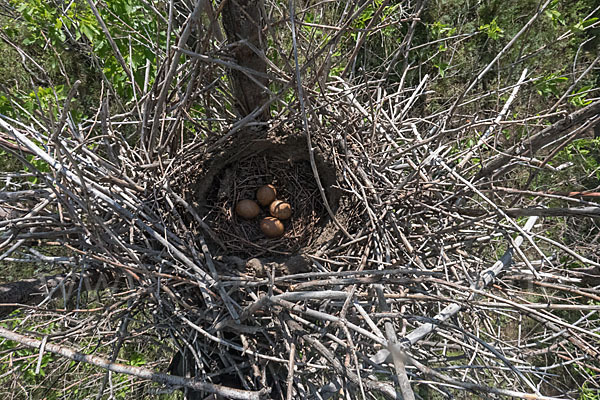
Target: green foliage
point(582, 25)
point(381, 44)
point(365, 17)
point(136, 359)
point(5, 106)
point(549, 85)
point(492, 30)
point(442, 67)
point(585, 153)
point(45, 100)
point(41, 100)
point(583, 173)
point(42, 22)
point(440, 30)
point(25, 359)
point(25, 362)
point(46, 23)
point(555, 16)
point(588, 393)
point(578, 97)
point(38, 166)
point(491, 24)
point(313, 32)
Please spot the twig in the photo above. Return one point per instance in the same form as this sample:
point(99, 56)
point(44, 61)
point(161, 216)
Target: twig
point(311, 150)
point(480, 388)
point(497, 120)
point(485, 278)
point(139, 372)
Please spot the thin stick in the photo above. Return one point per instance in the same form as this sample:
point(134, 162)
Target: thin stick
point(311, 150)
point(139, 372)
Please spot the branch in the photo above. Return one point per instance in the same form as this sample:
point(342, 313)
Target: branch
point(499, 118)
point(593, 212)
point(480, 388)
point(485, 278)
point(542, 138)
point(139, 372)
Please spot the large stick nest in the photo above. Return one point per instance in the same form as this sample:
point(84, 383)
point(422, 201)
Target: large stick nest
point(217, 182)
point(350, 299)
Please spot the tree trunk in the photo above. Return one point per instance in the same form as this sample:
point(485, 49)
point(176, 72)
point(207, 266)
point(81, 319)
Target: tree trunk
point(243, 25)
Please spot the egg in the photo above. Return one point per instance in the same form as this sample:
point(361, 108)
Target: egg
point(271, 227)
point(247, 209)
point(280, 209)
point(266, 194)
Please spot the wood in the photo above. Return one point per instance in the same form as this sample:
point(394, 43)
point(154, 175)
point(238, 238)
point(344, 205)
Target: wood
point(139, 372)
point(243, 25)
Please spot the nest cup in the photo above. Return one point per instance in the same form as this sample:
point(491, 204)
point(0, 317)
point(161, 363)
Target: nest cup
point(284, 164)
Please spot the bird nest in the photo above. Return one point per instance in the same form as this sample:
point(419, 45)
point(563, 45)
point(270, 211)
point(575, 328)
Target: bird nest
point(219, 182)
point(295, 184)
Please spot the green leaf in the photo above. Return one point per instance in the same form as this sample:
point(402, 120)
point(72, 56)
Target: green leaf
point(442, 67)
point(548, 85)
point(582, 25)
point(22, 8)
point(556, 17)
point(440, 30)
point(579, 97)
point(492, 29)
point(88, 31)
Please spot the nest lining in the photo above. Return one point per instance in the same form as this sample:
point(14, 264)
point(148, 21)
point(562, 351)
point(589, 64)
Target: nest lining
point(295, 184)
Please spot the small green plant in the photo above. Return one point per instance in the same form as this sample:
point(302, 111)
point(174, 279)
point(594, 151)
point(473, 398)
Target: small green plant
point(365, 17)
point(555, 16)
point(492, 30)
point(46, 99)
point(440, 30)
point(578, 98)
point(136, 359)
point(39, 166)
point(582, 25)
point(588, 393)
point(442, 67)
point(24, 359)
point(549, 85)
point(584, 156)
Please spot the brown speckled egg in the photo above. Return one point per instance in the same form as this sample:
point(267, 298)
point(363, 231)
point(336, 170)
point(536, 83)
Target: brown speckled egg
point(247, 209)
point(271, 227)
point(280, 209)
point(266, 194)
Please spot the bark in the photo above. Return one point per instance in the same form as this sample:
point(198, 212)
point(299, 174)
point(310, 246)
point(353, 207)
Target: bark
point(243, 25)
